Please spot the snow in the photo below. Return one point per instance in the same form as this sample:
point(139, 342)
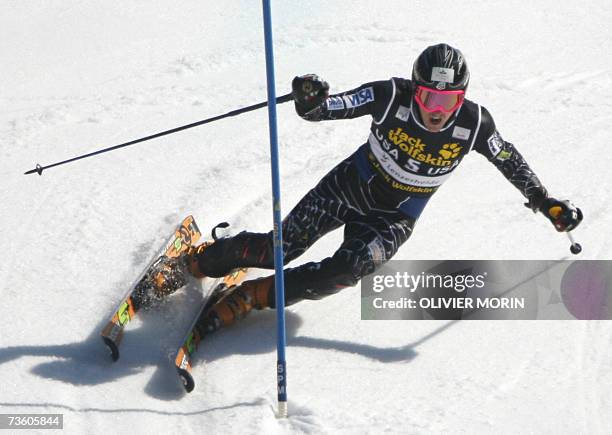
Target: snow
point(77, 76)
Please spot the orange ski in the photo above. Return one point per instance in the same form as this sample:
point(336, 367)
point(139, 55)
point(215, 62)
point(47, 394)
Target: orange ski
point(186, 234)
point(192, 338)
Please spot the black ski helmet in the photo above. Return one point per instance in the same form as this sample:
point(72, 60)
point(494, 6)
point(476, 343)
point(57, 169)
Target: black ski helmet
point(441, 67)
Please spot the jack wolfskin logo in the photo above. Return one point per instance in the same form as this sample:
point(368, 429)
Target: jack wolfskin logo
point(416, 149)
point(450, 150)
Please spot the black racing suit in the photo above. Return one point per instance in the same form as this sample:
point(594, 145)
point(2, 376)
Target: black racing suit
point(377, 193)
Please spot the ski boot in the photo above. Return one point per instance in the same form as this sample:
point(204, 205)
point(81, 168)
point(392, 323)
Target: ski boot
point(190, 259)
point(236, 302)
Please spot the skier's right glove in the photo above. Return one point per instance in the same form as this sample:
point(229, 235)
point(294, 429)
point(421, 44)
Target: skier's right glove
point(564, 215)
point(309, 93)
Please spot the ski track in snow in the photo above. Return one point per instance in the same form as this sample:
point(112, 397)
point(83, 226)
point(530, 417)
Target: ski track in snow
point(84, 76)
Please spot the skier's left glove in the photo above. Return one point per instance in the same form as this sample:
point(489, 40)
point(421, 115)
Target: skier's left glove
point(309, 93)
point(564, 215)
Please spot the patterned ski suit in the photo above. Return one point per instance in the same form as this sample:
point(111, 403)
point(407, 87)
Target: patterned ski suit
point(377, 193)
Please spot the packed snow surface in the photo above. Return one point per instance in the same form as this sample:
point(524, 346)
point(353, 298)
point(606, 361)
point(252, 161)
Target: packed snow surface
point(78, 76)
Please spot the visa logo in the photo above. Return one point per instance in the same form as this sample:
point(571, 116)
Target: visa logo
point(360, 98)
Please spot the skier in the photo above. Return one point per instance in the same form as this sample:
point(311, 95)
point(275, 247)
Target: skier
point(421, 130)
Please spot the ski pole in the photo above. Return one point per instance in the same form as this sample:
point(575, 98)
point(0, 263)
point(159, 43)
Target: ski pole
point(279, 283)
point(282, 99)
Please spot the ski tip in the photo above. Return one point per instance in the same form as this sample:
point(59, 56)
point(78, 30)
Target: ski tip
point(186, 379)
point(112, 347)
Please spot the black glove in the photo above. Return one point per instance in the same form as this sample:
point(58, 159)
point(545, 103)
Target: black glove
point(564, 215)
point(309, 91)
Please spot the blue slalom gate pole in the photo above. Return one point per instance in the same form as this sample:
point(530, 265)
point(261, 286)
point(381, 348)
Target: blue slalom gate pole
point(281, 366)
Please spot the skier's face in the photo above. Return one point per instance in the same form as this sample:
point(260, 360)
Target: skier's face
point(434, 121)
point(437, 105)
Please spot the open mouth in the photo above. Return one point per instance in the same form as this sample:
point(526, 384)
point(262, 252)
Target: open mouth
point(435, 119)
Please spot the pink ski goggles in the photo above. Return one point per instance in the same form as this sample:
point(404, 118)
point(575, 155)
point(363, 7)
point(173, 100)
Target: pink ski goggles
point(433, 100)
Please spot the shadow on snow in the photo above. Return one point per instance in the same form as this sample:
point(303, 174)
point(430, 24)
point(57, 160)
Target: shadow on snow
point(154, 341)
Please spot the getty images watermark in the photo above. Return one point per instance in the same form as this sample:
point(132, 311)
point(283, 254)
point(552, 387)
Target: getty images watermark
point(515, 289)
